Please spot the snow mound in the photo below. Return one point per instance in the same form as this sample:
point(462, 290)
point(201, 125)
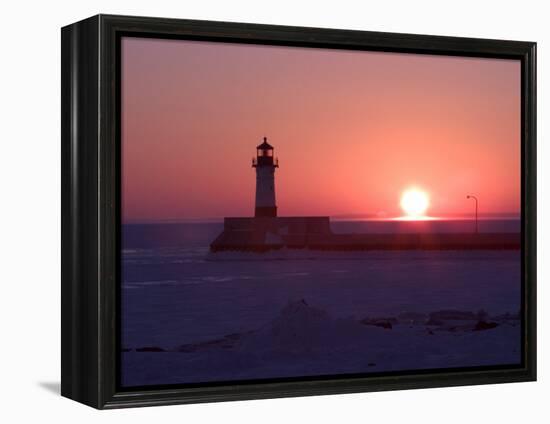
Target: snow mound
point(303, 328)
point(452, 315)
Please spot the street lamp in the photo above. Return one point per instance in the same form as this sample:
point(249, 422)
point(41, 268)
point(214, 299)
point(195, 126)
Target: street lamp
point(475, 198)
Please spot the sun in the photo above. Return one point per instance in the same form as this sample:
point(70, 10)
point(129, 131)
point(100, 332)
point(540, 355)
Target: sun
point(415, 202)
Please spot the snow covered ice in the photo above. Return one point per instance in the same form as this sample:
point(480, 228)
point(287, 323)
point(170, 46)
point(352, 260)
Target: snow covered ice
point(236, 316)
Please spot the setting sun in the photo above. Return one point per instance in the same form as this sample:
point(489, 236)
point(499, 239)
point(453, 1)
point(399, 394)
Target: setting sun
point(415, 202)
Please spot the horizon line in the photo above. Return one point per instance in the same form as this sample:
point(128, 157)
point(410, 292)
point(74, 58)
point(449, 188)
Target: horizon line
point(334, 218)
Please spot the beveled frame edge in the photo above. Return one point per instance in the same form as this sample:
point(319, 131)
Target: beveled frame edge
point(90, 205)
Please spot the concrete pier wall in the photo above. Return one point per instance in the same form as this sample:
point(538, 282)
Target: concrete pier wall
point(268, 233)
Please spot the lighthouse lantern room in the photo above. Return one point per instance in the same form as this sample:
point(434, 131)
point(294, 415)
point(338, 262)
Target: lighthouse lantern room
point(265, 165)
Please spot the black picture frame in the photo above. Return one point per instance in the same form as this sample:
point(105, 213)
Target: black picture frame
point(90, 182)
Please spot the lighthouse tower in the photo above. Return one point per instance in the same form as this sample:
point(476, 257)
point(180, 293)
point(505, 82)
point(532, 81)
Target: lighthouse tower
point(265, 165)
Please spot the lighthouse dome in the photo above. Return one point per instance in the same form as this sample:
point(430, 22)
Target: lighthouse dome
point(265, 145)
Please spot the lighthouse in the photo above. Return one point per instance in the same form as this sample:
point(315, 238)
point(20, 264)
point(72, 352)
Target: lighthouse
point(265, 165)
point(265, 230)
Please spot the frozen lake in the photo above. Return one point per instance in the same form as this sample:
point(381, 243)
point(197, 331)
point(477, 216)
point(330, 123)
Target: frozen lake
point(175, 293)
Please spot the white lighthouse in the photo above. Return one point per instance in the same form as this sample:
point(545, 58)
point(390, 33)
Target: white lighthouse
point(265, 165)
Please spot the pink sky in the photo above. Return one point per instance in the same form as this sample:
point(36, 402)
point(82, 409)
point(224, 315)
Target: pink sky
point(352, 130)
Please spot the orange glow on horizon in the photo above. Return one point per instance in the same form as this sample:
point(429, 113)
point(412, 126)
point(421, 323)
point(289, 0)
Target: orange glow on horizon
point(416, 218)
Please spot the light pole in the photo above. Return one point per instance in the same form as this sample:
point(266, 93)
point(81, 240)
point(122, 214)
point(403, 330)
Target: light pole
point(475, 198)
